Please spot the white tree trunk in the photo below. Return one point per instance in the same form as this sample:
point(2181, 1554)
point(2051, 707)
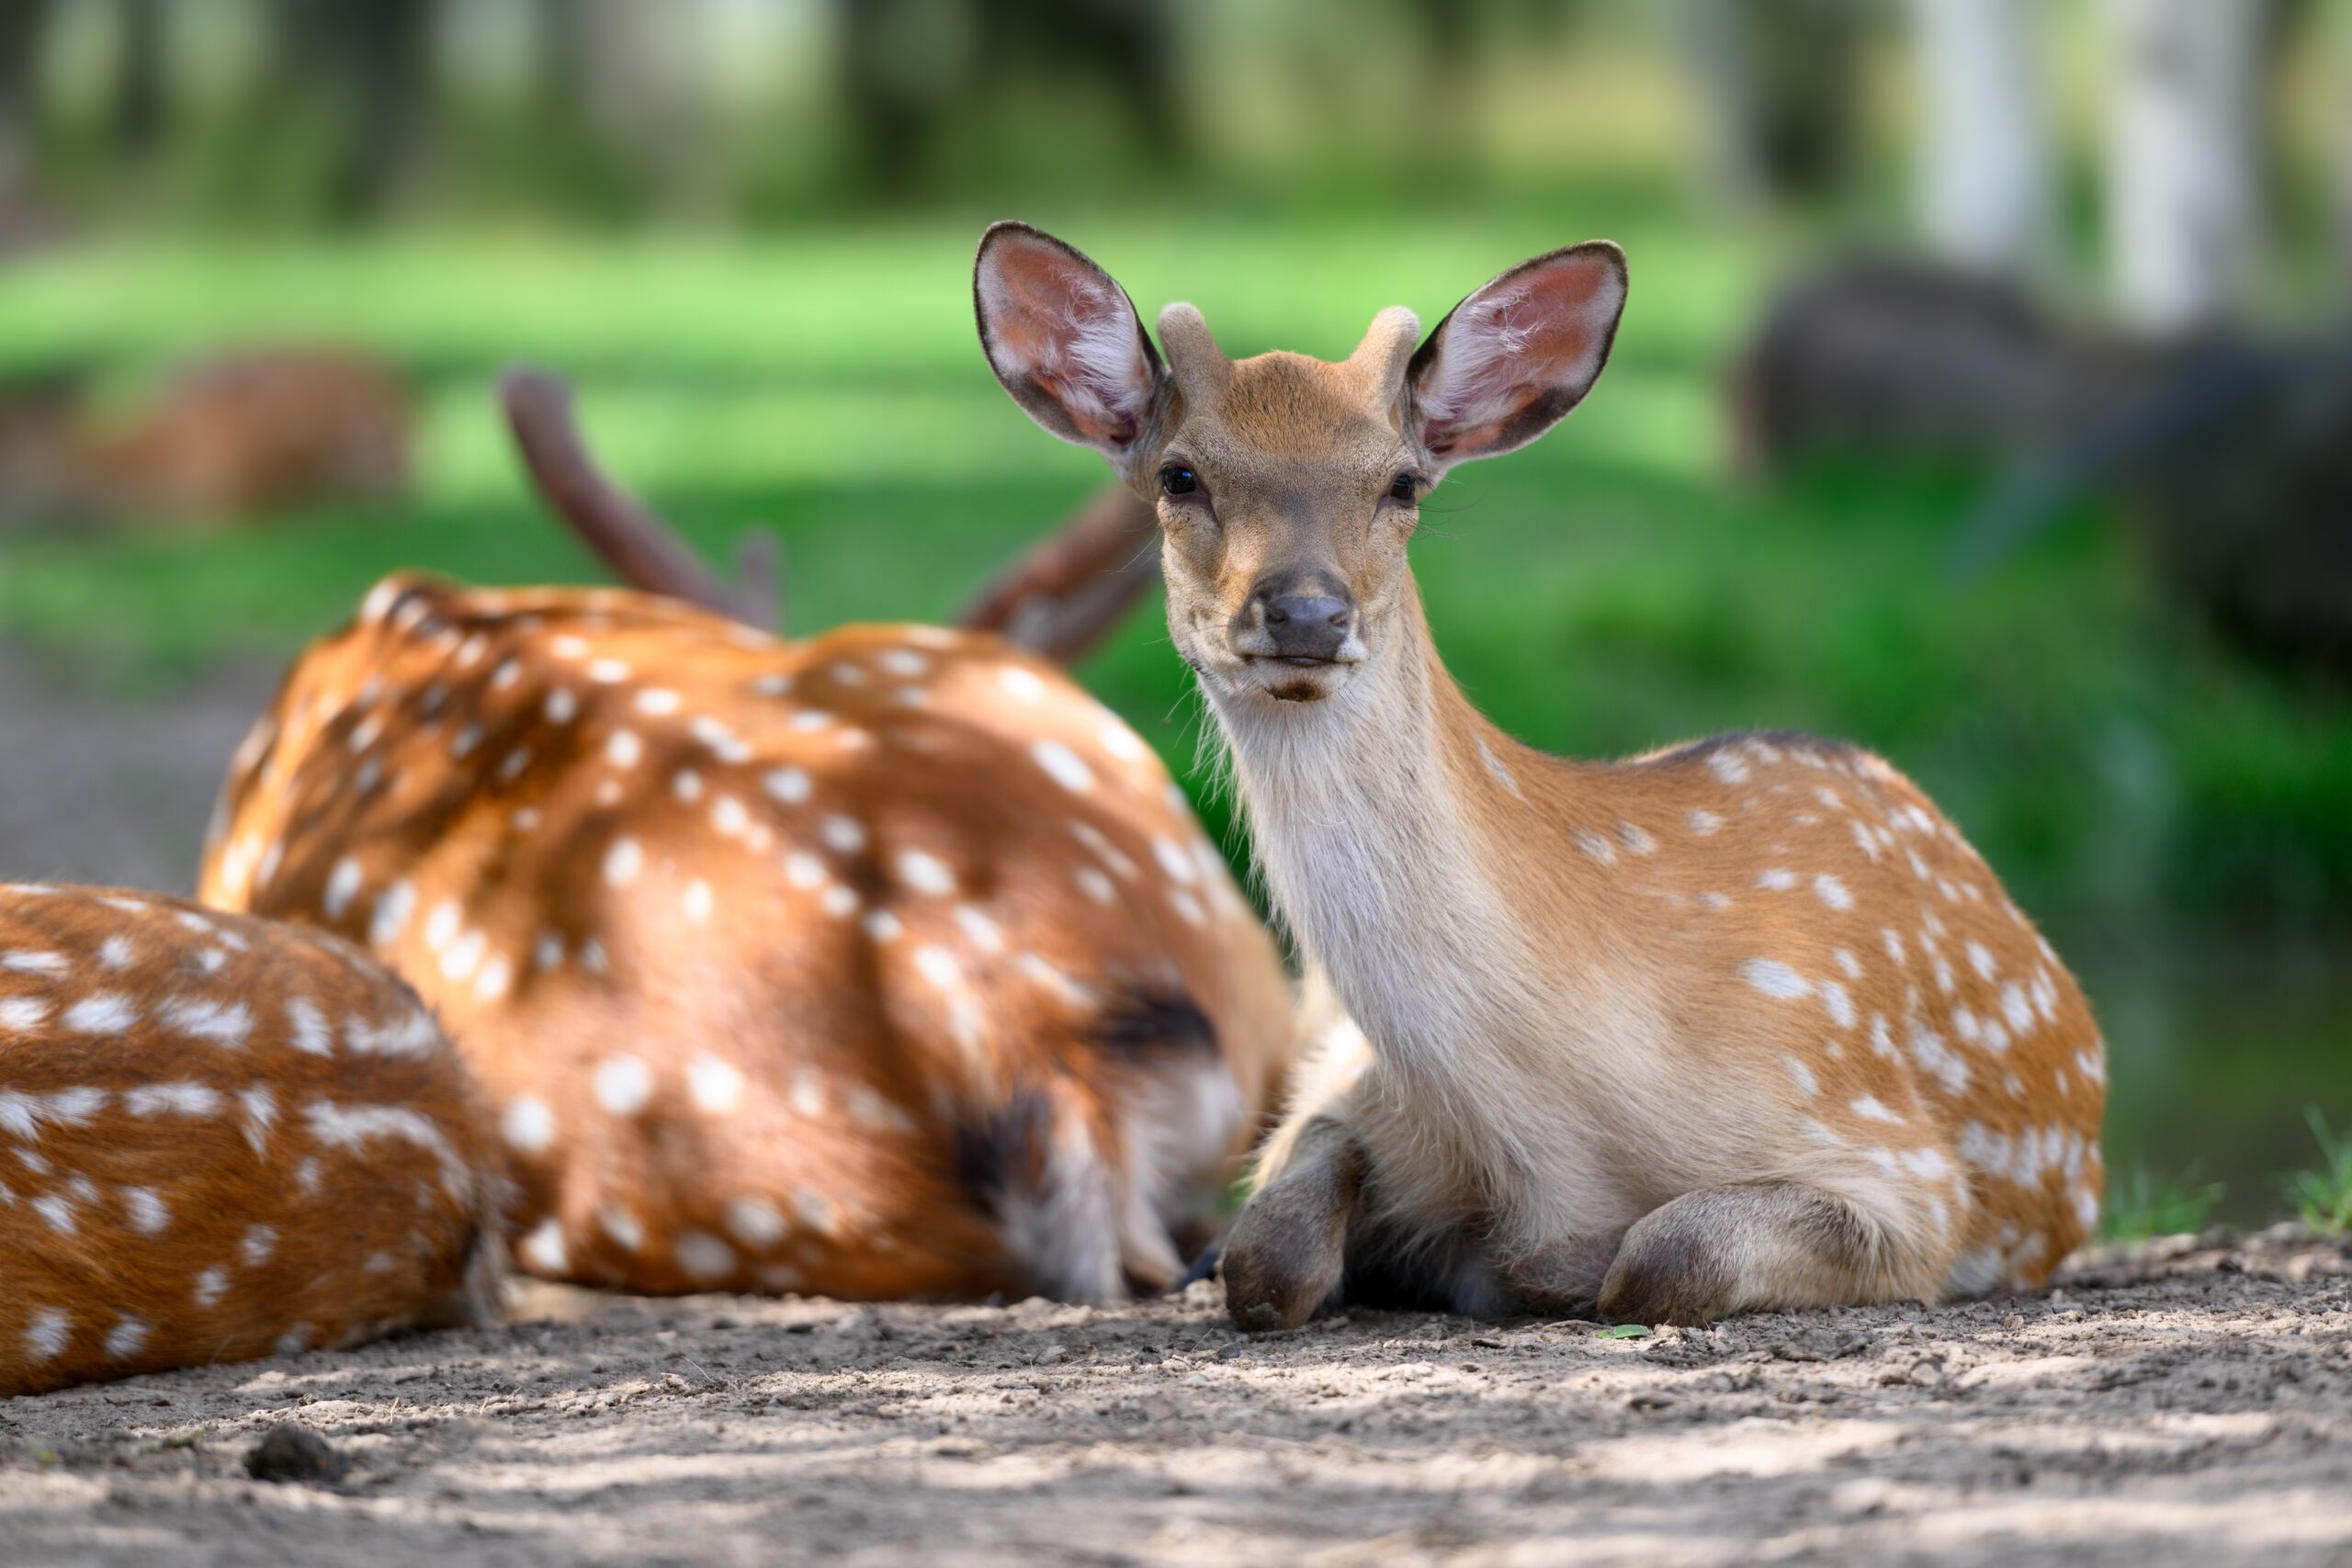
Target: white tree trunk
point(1985, 185)
point(2184, 159)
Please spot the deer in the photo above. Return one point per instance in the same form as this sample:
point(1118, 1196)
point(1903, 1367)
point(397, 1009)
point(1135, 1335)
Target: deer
point(242, 435)
point(1741, 1023)
point(220, 1139)
point(884, 963)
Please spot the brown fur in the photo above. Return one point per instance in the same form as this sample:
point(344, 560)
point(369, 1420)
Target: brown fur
point(632, 831)
point(1743, 1024)
point(221, 1138)
point(240, 436)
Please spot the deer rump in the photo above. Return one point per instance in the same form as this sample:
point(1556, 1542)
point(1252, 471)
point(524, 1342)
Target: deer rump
point(885, 964)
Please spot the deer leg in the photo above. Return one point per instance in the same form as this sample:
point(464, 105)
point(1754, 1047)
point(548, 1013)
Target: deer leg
point(1286, 1254)
point(1725, 1249)
point(1559, 1278)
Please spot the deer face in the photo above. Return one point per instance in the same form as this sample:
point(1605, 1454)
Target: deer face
point(1287, 487)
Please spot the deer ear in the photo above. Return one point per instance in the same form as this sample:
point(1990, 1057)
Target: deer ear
point(1064, 339)
point(1507, 362)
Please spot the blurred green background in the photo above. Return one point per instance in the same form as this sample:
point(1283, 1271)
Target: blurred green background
point(744, 228)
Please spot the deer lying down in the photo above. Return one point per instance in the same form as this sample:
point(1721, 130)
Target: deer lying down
point(221, 1139)
point(1741, 1023)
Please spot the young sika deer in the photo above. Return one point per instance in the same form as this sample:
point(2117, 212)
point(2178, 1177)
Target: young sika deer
point(221, 1139)
point(1742, 1023)
point(886, 962)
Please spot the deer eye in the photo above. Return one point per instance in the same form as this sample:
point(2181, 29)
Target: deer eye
point(1178, 480)
point(1404, 487)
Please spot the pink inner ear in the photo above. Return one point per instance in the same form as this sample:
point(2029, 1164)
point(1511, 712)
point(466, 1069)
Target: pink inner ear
point(1058, 321)
point(1513, 342)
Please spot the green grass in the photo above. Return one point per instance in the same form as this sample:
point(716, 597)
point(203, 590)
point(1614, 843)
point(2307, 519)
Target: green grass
point(1605, 591)
point(2139, 1205)
point(2322, 1196)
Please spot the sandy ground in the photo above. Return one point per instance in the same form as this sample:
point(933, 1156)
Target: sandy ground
point(2185, 1402)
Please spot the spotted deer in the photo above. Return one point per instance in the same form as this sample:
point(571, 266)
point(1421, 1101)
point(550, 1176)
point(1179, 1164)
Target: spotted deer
point(1735, 1024)
point(220, 1139)
point(884, 963)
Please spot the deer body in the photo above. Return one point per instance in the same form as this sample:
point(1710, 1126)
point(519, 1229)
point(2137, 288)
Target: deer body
point(881, 964)
point(233, 437)
point(1743, 1023)
point(221, 1139)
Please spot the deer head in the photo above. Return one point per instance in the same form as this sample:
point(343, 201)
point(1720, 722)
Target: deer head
point(1286, 487)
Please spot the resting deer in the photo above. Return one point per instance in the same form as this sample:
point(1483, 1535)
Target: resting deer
point(221, 1138)
point(884, 963)
point(1741, 1023)
point(235, 435)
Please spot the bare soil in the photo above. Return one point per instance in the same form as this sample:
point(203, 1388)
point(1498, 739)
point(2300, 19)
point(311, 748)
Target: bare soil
point(2186, 1401)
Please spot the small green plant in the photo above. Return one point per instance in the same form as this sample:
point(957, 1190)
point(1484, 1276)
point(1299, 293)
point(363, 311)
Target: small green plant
point(2323, 1197)
point(2139, 1205)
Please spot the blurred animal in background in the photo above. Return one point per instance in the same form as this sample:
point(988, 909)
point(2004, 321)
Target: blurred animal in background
point(1891, 356)
point(2229, 452)
point(250, 434)
point(229, 1139)
point(886, 962)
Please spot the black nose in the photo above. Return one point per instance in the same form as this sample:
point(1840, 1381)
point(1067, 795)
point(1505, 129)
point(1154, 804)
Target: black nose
point(1308, 626)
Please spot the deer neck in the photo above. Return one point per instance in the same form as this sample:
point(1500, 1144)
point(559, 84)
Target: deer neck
point(1396, 831)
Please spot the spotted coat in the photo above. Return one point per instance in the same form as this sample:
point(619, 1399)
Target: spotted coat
point(882, 963)
point(221, 1138)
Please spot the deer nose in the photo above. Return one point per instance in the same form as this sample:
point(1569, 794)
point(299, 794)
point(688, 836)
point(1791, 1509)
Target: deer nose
point(1307, 625)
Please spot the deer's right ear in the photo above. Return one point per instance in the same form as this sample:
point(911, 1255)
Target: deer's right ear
point(1064, 338)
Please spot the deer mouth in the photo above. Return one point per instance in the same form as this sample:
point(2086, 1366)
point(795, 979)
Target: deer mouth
point(1296, 678)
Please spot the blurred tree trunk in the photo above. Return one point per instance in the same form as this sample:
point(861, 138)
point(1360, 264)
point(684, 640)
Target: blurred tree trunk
point(1780, 88)
point(21, 25)
point(1986, 174)
point(2184, 137)
point(139, 96)
point(369, 57)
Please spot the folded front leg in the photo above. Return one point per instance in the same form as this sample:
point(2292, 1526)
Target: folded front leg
point(1287, 1250)
point(1765, 1244)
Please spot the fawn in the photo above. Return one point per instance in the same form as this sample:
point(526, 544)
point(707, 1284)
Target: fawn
point(884, 963)
point(1740, 1023)
point(223, 1139)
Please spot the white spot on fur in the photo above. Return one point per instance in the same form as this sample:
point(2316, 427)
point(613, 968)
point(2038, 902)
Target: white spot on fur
point(924, 873)
point(543, 1250)
point(714, 1086)
point(1775, 978)
point(702, 1257)
point(624, 1083)
point(527, 1125)
point(1064, 766)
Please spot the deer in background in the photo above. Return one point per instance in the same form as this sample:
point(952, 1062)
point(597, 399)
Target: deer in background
point(886, 962)
point(236, 436)
point(223, 1139)
point(1741, 1023)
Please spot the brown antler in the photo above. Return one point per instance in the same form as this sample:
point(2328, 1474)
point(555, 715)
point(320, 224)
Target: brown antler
point(645, 551)
point(1066, 594)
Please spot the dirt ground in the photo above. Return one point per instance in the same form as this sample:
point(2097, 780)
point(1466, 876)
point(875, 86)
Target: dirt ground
point(2185, 1402)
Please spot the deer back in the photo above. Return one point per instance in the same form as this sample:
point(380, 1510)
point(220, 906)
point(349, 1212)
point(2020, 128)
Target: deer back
point(221, 1138)
point(886, 962)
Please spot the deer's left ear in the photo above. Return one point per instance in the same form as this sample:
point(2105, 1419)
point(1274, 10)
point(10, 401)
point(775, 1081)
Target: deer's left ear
point(1064, 339)
point(1507, 362)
